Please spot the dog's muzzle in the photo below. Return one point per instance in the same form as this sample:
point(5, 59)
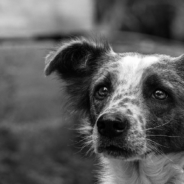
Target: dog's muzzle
point(118, 136)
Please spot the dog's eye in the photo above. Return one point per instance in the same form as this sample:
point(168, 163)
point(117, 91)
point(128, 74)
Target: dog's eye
point(101, 93)
point(160, 95)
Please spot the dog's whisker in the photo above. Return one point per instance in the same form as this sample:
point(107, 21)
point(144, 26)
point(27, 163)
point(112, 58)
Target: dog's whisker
point(157, 126)
point(156, 143)
point(82, 140)
point(157, 151)
point(89, 146)
point(90, 151)
point(152, 147)
point(164, 155)
point(165, 136)
point(80, 150)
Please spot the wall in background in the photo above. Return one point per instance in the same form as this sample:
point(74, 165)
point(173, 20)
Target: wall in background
point(24, 18)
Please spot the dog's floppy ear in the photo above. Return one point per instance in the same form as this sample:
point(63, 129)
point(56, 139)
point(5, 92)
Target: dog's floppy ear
point(75, 62)
point(179, 65)
point(76, 58)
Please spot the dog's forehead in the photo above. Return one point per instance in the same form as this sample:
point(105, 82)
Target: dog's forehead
point(130, 67)
point(137, 61)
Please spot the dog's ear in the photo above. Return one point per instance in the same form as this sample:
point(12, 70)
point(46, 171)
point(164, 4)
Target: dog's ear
point(179, 65)
point(75, 62)
point(76, 58)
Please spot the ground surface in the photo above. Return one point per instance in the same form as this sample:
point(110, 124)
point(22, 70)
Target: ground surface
point(37, 141)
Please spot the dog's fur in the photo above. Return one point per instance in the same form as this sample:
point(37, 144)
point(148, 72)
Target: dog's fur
point(142, 95)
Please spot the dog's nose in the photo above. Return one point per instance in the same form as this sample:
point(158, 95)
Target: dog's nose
point(112, 126)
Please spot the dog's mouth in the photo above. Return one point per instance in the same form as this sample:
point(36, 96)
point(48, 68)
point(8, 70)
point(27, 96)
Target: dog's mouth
point(110, 148)
point(115, 151)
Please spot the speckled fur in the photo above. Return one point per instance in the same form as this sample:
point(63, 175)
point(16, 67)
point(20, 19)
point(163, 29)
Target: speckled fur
point(156, 132)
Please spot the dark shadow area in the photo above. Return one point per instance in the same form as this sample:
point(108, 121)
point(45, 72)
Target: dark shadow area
point(162, 18)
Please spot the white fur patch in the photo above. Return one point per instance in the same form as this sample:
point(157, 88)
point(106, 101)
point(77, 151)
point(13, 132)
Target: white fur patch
point(131, 67)
point(155, 169)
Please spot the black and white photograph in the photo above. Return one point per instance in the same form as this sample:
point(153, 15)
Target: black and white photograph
point(91, 92)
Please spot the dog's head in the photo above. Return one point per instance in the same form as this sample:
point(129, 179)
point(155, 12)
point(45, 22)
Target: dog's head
point(133, 104)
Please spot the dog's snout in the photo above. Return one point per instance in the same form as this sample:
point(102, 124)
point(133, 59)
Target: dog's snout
point(111, 126)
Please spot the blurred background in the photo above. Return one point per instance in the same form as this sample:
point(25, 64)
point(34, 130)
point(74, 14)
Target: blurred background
point(38, 141)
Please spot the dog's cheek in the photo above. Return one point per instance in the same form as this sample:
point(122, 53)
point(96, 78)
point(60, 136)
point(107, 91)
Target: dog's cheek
point(167, 132)
point(78, 92)
point(177, 130)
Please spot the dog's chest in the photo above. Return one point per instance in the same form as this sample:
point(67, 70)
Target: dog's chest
point(153, 170)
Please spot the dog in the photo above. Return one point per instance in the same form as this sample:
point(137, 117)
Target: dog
point(131, 106)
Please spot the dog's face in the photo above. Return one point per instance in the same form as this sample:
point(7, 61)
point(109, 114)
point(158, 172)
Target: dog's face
point(133, 103)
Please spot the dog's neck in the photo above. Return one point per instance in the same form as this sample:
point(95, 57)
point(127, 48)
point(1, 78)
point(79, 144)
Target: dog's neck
point(163, 169)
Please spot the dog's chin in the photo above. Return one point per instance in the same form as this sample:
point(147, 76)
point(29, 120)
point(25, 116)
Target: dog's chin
point(113, 152)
